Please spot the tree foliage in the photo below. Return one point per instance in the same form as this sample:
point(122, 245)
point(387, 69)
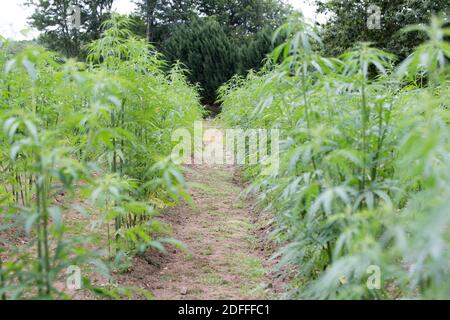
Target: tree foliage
point(254, 51)
point(239, 17)
point(235, 38)
point(239, 42)
point(204, 47)
point(158, 17)
point(347, 23)
point(244, 17)
point(52, 18)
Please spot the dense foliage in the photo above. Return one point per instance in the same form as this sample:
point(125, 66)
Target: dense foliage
point(87, 143)
point(364, 179)
point(346, 18)
point(206, 49)
point(214, 39)
point(361, 199)
point(213, 57)
point(52, 18)
point(239, 18)
point(237, 41)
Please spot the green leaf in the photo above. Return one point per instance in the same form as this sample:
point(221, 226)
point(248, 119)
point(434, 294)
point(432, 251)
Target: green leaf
point(31, 70)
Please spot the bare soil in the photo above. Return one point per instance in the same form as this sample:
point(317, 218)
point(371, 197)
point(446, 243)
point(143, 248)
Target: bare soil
point(225, 255)
point(226, 252)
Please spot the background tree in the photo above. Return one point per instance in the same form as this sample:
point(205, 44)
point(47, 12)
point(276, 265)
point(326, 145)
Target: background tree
point(245, 27)
point(347, 23)
point(158, 17)
point(253, 52)
point(244, 17)
point(52, 18)
point(240, 17)
point(204, 46)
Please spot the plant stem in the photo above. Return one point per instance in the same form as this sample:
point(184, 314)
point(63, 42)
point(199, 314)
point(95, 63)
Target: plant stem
point(39, 236)
point(122, 142)
point(381, 137)
point(114, 170)
point(45, 233)
point(364, 131)
point(2, 281)
point(306, 103)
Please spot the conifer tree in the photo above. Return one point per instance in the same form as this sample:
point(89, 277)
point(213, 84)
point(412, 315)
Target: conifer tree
point(204, 46)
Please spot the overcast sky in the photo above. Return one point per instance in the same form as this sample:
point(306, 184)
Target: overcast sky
point(13, 15)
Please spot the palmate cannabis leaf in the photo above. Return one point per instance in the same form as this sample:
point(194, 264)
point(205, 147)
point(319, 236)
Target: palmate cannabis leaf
point(364, 177)
point(85, 138)
point(431, 56)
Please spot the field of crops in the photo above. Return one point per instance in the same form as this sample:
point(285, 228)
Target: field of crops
point(363, 189)
point(93, 139)
point(93, 204)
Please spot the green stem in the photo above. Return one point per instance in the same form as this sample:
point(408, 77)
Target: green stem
point(381, 137)
point(364, 129)
point(42, 211)
point(122, 142)
point(114, 162)
point(45, 234)
point(114, 170)
point(329, 252)
point(39, 236)
point(109, 239)
point(2, 281)
point(306, 103)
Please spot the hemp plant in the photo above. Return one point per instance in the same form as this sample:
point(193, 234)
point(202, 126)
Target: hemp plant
point(363, 180)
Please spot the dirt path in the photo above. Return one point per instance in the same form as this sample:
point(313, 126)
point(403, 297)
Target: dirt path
point(223, 258)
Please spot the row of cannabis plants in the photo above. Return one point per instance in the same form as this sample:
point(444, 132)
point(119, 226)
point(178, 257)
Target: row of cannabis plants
point(362, 196)
point(91, 141)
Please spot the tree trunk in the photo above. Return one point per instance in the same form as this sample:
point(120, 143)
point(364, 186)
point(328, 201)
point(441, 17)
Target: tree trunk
point(151, 6)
